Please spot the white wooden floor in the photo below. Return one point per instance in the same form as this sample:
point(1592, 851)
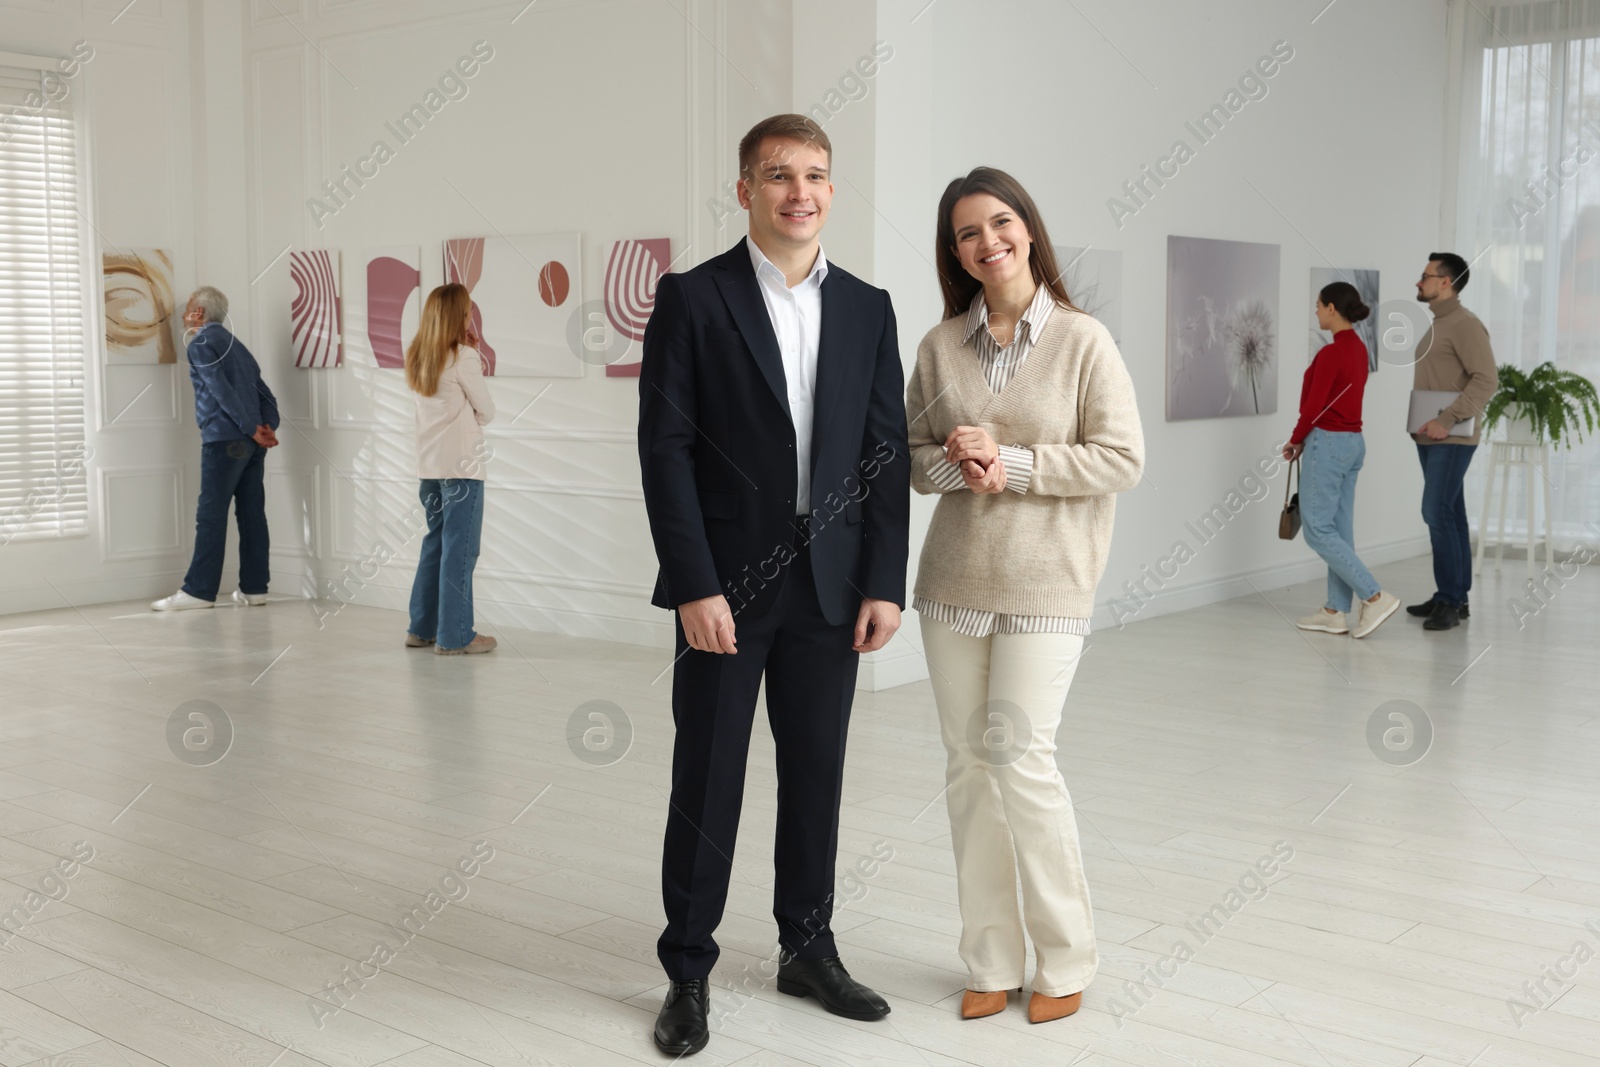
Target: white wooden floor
point(1419, 900)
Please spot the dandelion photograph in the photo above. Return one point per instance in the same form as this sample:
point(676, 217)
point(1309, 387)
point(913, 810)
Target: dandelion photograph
point(1222, 328)
point(1366, 283)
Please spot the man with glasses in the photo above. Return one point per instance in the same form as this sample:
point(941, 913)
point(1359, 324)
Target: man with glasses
point(1456, 359)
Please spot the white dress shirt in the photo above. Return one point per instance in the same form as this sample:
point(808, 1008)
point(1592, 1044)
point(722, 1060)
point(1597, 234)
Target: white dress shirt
point(796, 315)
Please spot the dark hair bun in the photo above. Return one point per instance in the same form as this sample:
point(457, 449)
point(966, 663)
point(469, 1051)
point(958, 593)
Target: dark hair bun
point(1344, 299)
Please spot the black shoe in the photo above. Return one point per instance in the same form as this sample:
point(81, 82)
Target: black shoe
point(1444, 617)
point(681, 1028)
point(1426, 608)
point(1422, 610)
point(830, 983)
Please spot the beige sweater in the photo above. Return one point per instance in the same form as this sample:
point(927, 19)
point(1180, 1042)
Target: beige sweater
point(1072, 404)
point(1456, 358)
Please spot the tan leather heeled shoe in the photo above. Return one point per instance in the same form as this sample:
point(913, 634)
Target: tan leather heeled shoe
point(1042, 1009)
point(975, 1005)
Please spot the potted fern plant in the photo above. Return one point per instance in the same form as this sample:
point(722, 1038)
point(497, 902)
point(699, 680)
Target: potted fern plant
point(1544, 403)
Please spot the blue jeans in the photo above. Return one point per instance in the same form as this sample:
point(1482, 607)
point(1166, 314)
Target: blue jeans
point(230, 471)
point(441, 596)
point(1444, 509)
point(1328, 470)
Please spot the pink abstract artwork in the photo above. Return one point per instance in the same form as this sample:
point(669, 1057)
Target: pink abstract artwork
point(633, 268)
point(394, 293)
point(315, 314)
point(524, 292)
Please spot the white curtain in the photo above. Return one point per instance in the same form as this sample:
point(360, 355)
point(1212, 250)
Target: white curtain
point(1529, 211)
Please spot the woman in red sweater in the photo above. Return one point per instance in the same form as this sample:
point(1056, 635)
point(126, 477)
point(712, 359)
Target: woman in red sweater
point(1328, 436)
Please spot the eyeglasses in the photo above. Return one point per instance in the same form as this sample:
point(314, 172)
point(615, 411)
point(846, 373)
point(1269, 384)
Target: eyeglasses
point(1426, 276)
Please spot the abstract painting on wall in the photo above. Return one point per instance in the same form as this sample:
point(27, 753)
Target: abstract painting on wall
point(315, 313)
point(524, 291)
point(394, 302)
point(1366, 283)
point(1222, 328)
point(1093, 278)
point(140, 308)
point(632, 270)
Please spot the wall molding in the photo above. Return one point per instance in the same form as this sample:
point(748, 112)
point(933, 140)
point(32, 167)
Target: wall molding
point(108, 524)
point(311, 475)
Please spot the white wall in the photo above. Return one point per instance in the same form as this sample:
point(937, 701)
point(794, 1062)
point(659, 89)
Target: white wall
point(1345, 154)
point(133, 101)
point(618, 118)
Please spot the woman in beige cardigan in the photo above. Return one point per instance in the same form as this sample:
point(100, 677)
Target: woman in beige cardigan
point(1024, 421)
point(445, 372)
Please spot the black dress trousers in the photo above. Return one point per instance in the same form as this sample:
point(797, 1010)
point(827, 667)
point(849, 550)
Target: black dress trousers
point(810, 669)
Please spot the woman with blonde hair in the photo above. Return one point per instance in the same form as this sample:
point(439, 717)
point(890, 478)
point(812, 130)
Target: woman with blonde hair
point(445, 372)
point(1023, 420)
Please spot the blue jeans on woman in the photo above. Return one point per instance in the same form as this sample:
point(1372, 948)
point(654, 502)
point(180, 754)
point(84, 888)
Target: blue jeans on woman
point(1444, 509)
point(441, 596)
point(230, 472)
point(1328, 470)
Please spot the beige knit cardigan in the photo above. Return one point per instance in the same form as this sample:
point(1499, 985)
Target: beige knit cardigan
point(1072, 403)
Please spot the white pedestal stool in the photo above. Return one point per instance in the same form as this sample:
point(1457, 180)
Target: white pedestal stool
point(1534, 460)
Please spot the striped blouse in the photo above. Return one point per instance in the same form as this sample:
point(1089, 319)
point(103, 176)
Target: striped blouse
point(999, 366)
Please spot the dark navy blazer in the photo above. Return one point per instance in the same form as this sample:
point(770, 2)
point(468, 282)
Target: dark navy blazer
point(716, 444)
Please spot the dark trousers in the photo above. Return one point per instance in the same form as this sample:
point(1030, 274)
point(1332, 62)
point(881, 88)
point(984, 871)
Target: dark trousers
point(230, 472)
point(810, 672)
point(1444, 509)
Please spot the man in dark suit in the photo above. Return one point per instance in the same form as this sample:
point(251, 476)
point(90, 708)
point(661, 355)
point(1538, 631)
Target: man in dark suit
point(772, 439)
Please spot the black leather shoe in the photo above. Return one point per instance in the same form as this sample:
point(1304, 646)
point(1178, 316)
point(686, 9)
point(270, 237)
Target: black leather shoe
point(1426, 608)
point(1444, 617)
point(829, 982)
point(681, 1028)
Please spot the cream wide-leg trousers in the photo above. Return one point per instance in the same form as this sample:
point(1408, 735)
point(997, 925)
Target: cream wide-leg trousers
point(1000, 700)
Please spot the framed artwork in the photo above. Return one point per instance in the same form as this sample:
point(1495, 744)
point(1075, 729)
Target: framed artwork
point(142, 316)
point(394, 302)
point(1222, 328)
point(524, 292)
point(1366, 283)
point(632, 270)
point(315, 312)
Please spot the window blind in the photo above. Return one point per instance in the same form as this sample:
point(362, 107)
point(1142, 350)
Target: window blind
point(43, 484)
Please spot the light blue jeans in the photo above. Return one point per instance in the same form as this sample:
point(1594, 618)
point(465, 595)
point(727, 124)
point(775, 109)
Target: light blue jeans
point(441, 596)
point(1328, 470)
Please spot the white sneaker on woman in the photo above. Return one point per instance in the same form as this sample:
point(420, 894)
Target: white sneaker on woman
point(1328, 622)
point(1374, 613)
point(180, 601)
point(249, 600)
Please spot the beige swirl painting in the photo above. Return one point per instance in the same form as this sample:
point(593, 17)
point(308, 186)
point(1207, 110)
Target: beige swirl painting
point(139, 307)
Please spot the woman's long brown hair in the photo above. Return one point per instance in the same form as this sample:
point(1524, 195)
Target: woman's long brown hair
point(955, 283)
point(442, 331)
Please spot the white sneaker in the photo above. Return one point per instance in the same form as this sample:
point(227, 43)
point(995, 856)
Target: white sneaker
point(251, 600)
point(180, 601)
point(1324, 622)
point(1374, 613)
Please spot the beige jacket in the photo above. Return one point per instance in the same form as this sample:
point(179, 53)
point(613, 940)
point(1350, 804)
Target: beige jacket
point(1456, 358)
point(450, 423)
point(1071, 403)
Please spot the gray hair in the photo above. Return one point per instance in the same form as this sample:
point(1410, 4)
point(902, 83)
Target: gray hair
point(209, 299)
